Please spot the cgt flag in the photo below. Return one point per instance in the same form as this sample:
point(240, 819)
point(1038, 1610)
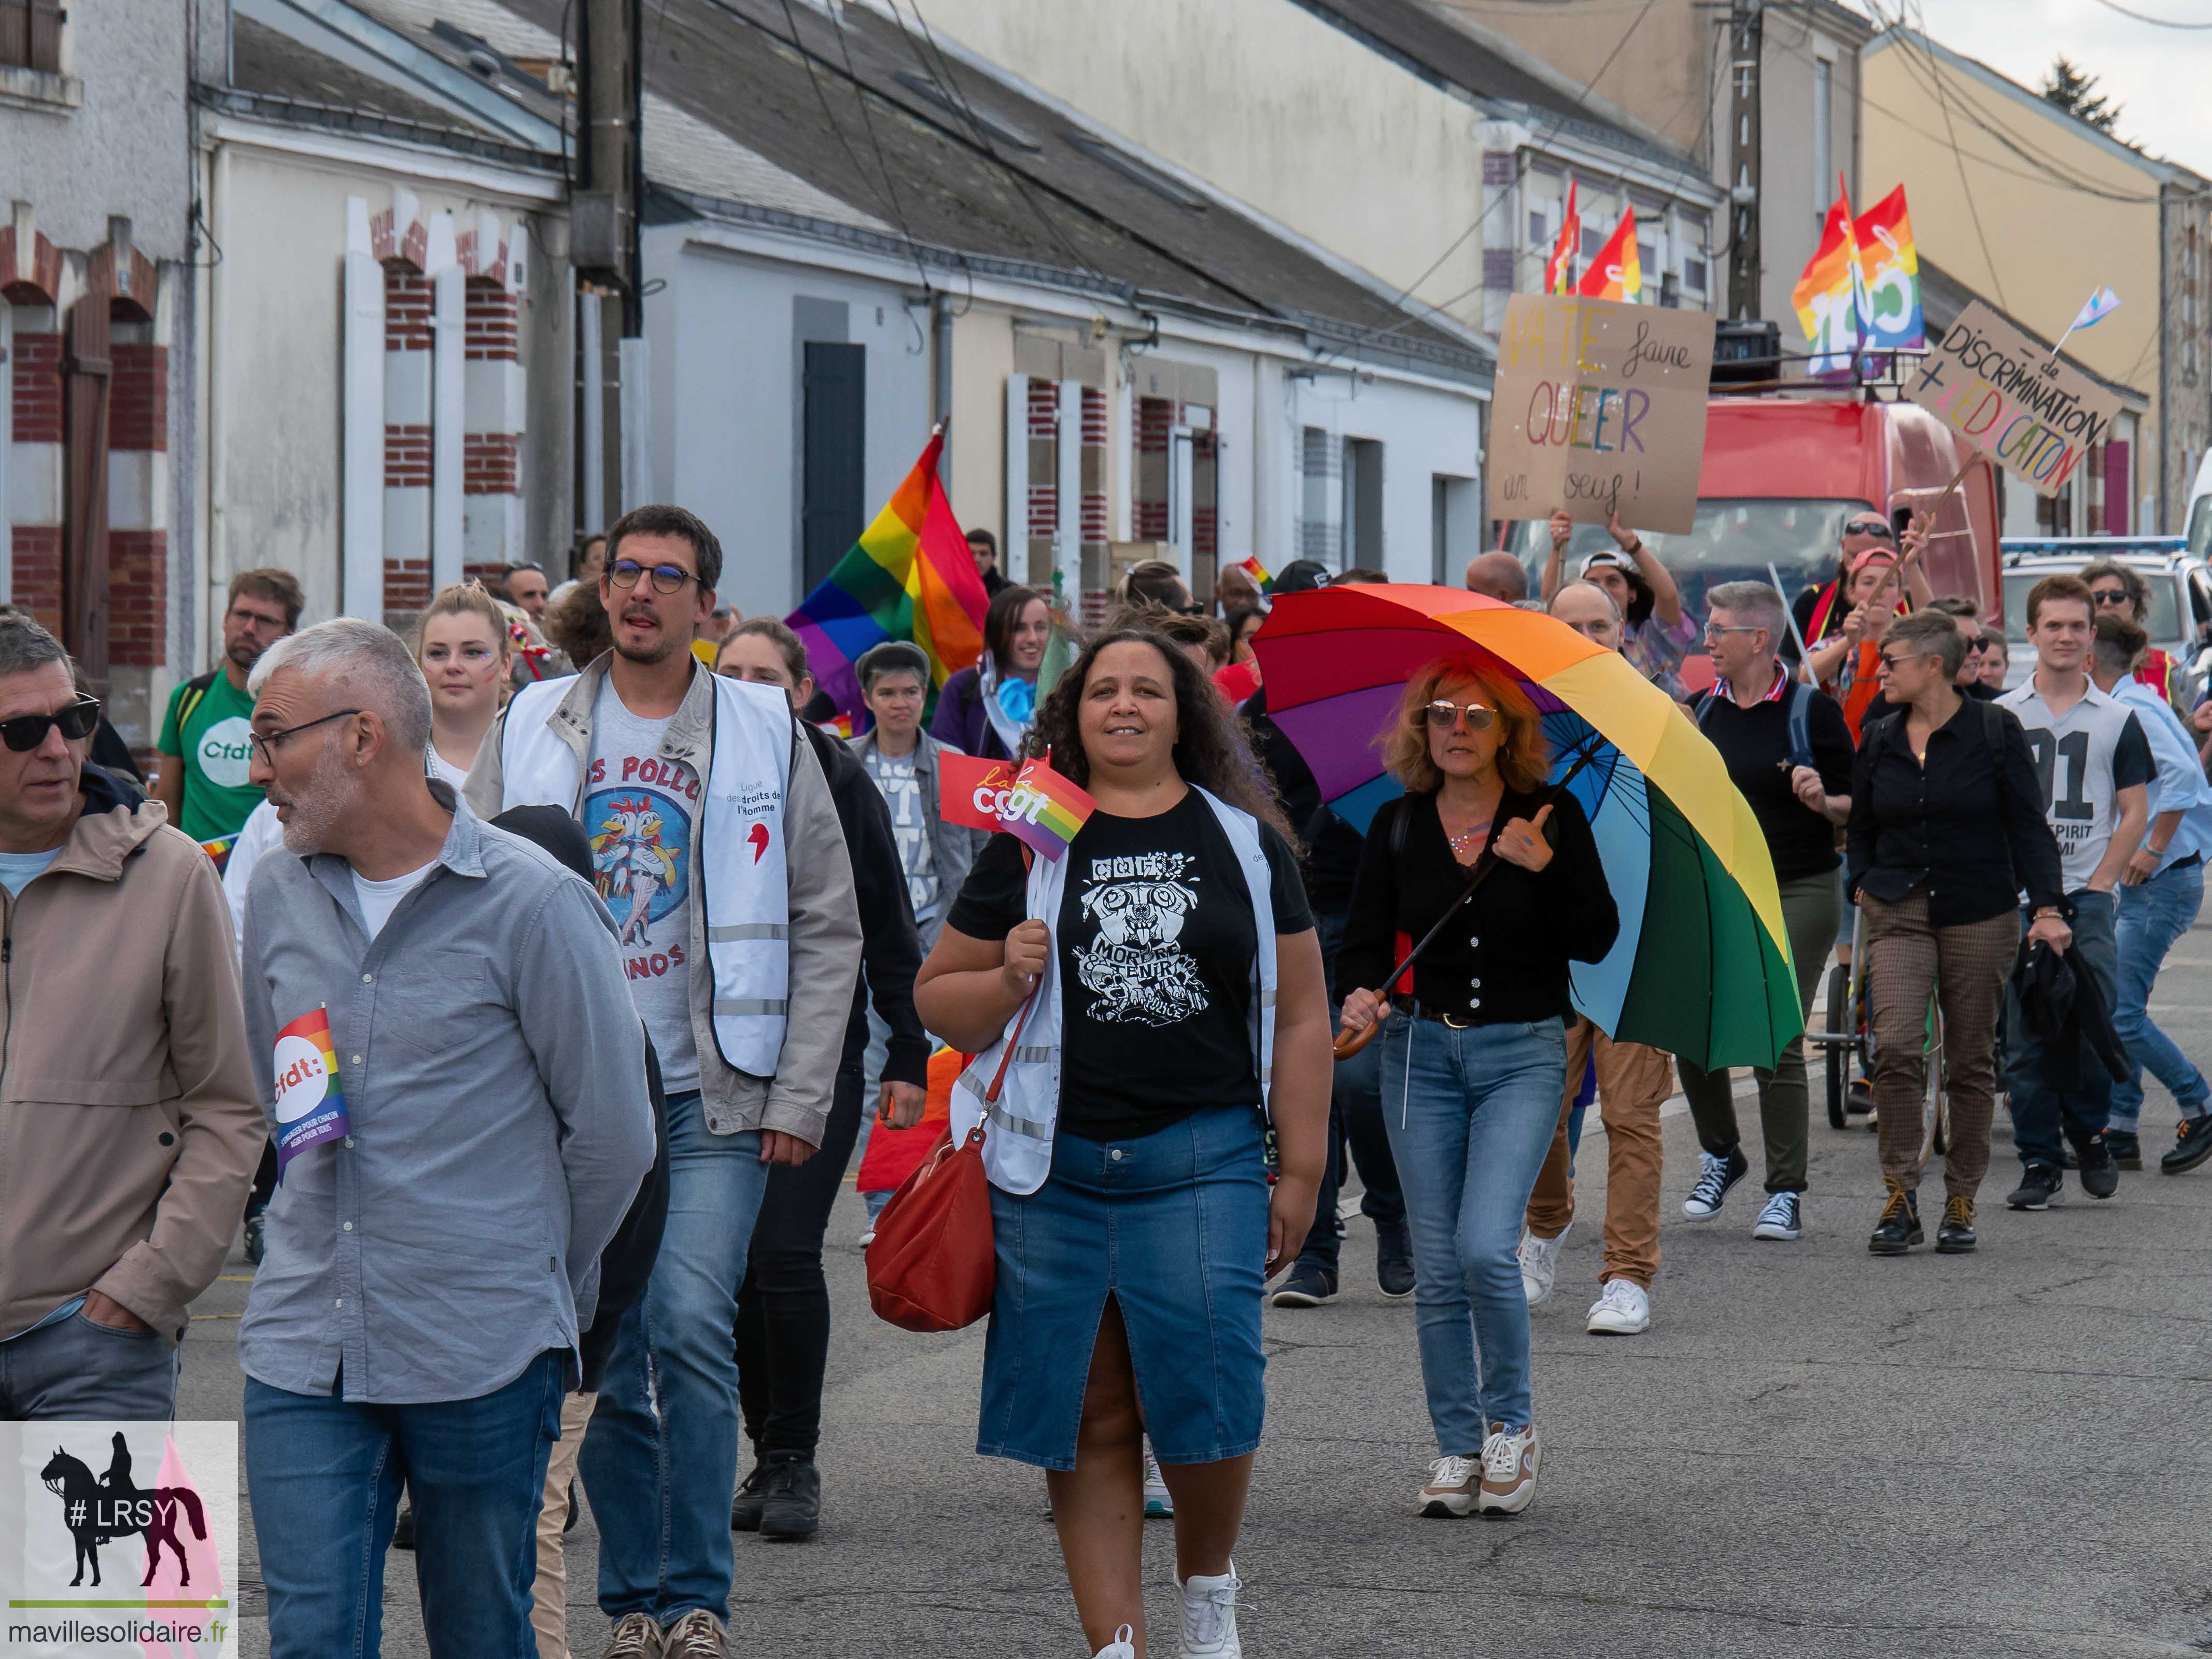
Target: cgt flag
point(1617, 273)
point(1035, 804)
point(310, 1107)
point(1559, 264)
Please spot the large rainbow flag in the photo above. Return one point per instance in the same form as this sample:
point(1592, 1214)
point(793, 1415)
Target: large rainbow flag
point(1827, 297)
point(909, 577)
point(1889, 267)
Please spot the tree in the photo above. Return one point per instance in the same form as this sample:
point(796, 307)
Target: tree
point(2076, 94)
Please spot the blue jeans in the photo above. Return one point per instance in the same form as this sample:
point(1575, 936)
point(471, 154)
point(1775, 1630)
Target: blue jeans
point(2051, 1091)
point(324, 1475)
point(75, 1369)
point(661, 1458)
point(2153, 916)
point(1470, 1114)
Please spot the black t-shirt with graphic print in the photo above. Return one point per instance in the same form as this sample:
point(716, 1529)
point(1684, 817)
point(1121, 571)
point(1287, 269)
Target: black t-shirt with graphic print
point(1158, 961)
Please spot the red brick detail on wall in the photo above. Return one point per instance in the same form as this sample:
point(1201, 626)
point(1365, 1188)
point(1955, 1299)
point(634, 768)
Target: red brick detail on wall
point(37, 552)
point(407, 458)
point(406, 584)
point(137, 595)
point(491, 463)
point(492, 321)
point(139, 407)
point(409, 306)
point(38, 389)
point(45, 285)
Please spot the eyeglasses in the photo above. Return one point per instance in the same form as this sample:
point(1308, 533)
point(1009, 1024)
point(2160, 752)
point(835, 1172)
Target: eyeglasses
point(1892, 660)
point(1878, 528)
point(666, 578)
point(78, 720)
point(270, 742)
point(1714, 630)
point(2113, 596)
point(1443, 714)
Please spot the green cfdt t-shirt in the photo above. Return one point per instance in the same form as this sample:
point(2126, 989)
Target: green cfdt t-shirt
point(215, 743)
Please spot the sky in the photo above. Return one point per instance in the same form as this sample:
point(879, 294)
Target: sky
point(2157, 74)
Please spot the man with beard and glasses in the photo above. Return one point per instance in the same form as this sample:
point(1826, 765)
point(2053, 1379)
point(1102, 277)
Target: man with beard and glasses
point(743, 969)
point(205, 752)
point(129, 1122)
point(435, 1012)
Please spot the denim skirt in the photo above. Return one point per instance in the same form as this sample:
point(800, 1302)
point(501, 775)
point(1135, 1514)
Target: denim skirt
point(1173, 1225)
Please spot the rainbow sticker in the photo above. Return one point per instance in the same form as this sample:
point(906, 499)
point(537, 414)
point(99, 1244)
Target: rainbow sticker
point(310, 1106)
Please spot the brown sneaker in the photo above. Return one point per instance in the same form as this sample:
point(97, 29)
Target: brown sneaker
point(1450, 1492)
point(697, 1635)
point(1509, 1470)
point(637, 1637)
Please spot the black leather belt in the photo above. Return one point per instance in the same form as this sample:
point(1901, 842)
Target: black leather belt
point(2183, 863)
point(1415, 1009)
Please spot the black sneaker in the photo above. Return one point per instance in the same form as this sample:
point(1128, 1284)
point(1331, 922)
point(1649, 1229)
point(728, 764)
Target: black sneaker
point(2100, 1175)
point(1715, 1177)
point(403, 1529)
point(2126, 1148)
point(574, 1511)
point(791, 1498)
point(2192, 1144)
point(257, 1229)
point(1899, 1230)
point(1393, 1261)
point(745, 1507)
point(1307, 1286)
point(2039, 1187)
point(1956, 1236)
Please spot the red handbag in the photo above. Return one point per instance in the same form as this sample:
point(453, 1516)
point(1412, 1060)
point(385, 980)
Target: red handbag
point(933, 1264)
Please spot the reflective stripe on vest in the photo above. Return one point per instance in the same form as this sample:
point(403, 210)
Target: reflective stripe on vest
point(743, 888)
point(1017, 1147)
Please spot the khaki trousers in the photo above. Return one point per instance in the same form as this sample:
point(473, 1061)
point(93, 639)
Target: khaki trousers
point(1634, 1081)
point(549, 1596)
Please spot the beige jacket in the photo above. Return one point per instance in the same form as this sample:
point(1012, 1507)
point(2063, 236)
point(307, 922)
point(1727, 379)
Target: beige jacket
point(825, 918)
point(129, 1124)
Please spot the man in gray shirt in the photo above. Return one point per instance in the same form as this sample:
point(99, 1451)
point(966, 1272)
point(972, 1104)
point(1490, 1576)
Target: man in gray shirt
point(455, 1078)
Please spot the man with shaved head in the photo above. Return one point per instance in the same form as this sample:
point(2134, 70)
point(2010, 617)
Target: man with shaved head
point(1497, 575)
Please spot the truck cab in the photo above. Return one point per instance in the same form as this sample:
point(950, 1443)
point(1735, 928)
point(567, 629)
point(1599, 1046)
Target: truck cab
point(1783, 473)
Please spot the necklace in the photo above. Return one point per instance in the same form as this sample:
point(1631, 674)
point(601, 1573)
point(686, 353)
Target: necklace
point(1468, 836)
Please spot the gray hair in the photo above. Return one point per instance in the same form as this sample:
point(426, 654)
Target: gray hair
point(25, 645)
point(1929, 633)
point(1754, 599)
point(370, 660)
point(1611, 603)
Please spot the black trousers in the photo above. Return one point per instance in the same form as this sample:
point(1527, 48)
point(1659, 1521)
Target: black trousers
point(783, 1310)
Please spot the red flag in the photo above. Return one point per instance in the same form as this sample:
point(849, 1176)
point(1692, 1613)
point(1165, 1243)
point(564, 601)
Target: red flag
point(1616, 273)
point(1557, 266)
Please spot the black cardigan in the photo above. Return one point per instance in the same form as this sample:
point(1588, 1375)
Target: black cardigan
point(1510, 962)
point(1969, 826)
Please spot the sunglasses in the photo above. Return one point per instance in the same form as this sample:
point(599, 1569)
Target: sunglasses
point(1894, 660)
point(1878, 528)
point(2111, 596)
point(1443, 714)
point(78, 720)
point(666, 578)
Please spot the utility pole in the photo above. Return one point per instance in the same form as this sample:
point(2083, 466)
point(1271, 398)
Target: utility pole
point(605, 235)
point(1745, 30)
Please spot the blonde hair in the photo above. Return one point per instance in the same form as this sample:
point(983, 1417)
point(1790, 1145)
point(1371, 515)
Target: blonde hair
point(468, 598)
point(1524, 758)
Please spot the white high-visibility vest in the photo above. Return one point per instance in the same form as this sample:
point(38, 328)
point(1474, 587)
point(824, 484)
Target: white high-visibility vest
point(1018, 1125)
point(744, 891)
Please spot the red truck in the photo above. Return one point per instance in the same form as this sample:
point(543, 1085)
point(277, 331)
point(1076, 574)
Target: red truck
point(1782, 472)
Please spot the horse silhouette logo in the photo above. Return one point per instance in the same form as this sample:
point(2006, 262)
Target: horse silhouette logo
point(98, 1510)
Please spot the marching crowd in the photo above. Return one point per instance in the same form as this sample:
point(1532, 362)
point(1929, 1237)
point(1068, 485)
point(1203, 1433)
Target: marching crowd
point(564, 934)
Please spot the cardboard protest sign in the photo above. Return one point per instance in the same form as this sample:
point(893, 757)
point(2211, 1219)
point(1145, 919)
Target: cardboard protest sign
point(2003, 393)
point(1599, 405)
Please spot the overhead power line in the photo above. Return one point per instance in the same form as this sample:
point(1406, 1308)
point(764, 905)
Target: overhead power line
point(2156, 23)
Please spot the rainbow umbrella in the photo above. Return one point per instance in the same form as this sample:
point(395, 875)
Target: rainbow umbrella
point(1702, 966)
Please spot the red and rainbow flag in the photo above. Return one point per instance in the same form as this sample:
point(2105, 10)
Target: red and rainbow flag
point(1827, 297)
point(909, 577)
point(1560, 261)
point(1044, 809)
point(1617, 273)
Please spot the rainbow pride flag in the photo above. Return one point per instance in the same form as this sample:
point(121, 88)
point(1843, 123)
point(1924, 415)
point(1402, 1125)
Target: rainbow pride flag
point(1889, 272)
point(1560, 262)
point(909, 577)
point(1827, 297)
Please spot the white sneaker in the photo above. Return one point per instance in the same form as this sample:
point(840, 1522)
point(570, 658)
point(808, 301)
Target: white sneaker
point(1123, 1646)
point(867, 1235)
point(1159, 1502)
point(1209, 1617)
point(1510, 1462)
point(1450, 1491)
point(1539, 1263)
point(1623, 1308)
point(1783, 1218)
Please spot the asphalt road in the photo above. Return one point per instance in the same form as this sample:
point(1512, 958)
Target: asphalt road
point(1811, 1452)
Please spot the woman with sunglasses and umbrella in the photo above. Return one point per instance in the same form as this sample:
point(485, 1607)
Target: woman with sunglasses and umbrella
point(1474, 1057)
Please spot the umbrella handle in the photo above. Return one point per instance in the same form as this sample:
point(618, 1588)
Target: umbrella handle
point(1349, 1043)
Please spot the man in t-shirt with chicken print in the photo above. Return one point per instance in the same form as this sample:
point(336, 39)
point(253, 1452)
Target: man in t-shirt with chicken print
point(643, 866)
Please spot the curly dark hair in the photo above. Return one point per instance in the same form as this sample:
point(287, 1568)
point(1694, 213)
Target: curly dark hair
point(1210, 750)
